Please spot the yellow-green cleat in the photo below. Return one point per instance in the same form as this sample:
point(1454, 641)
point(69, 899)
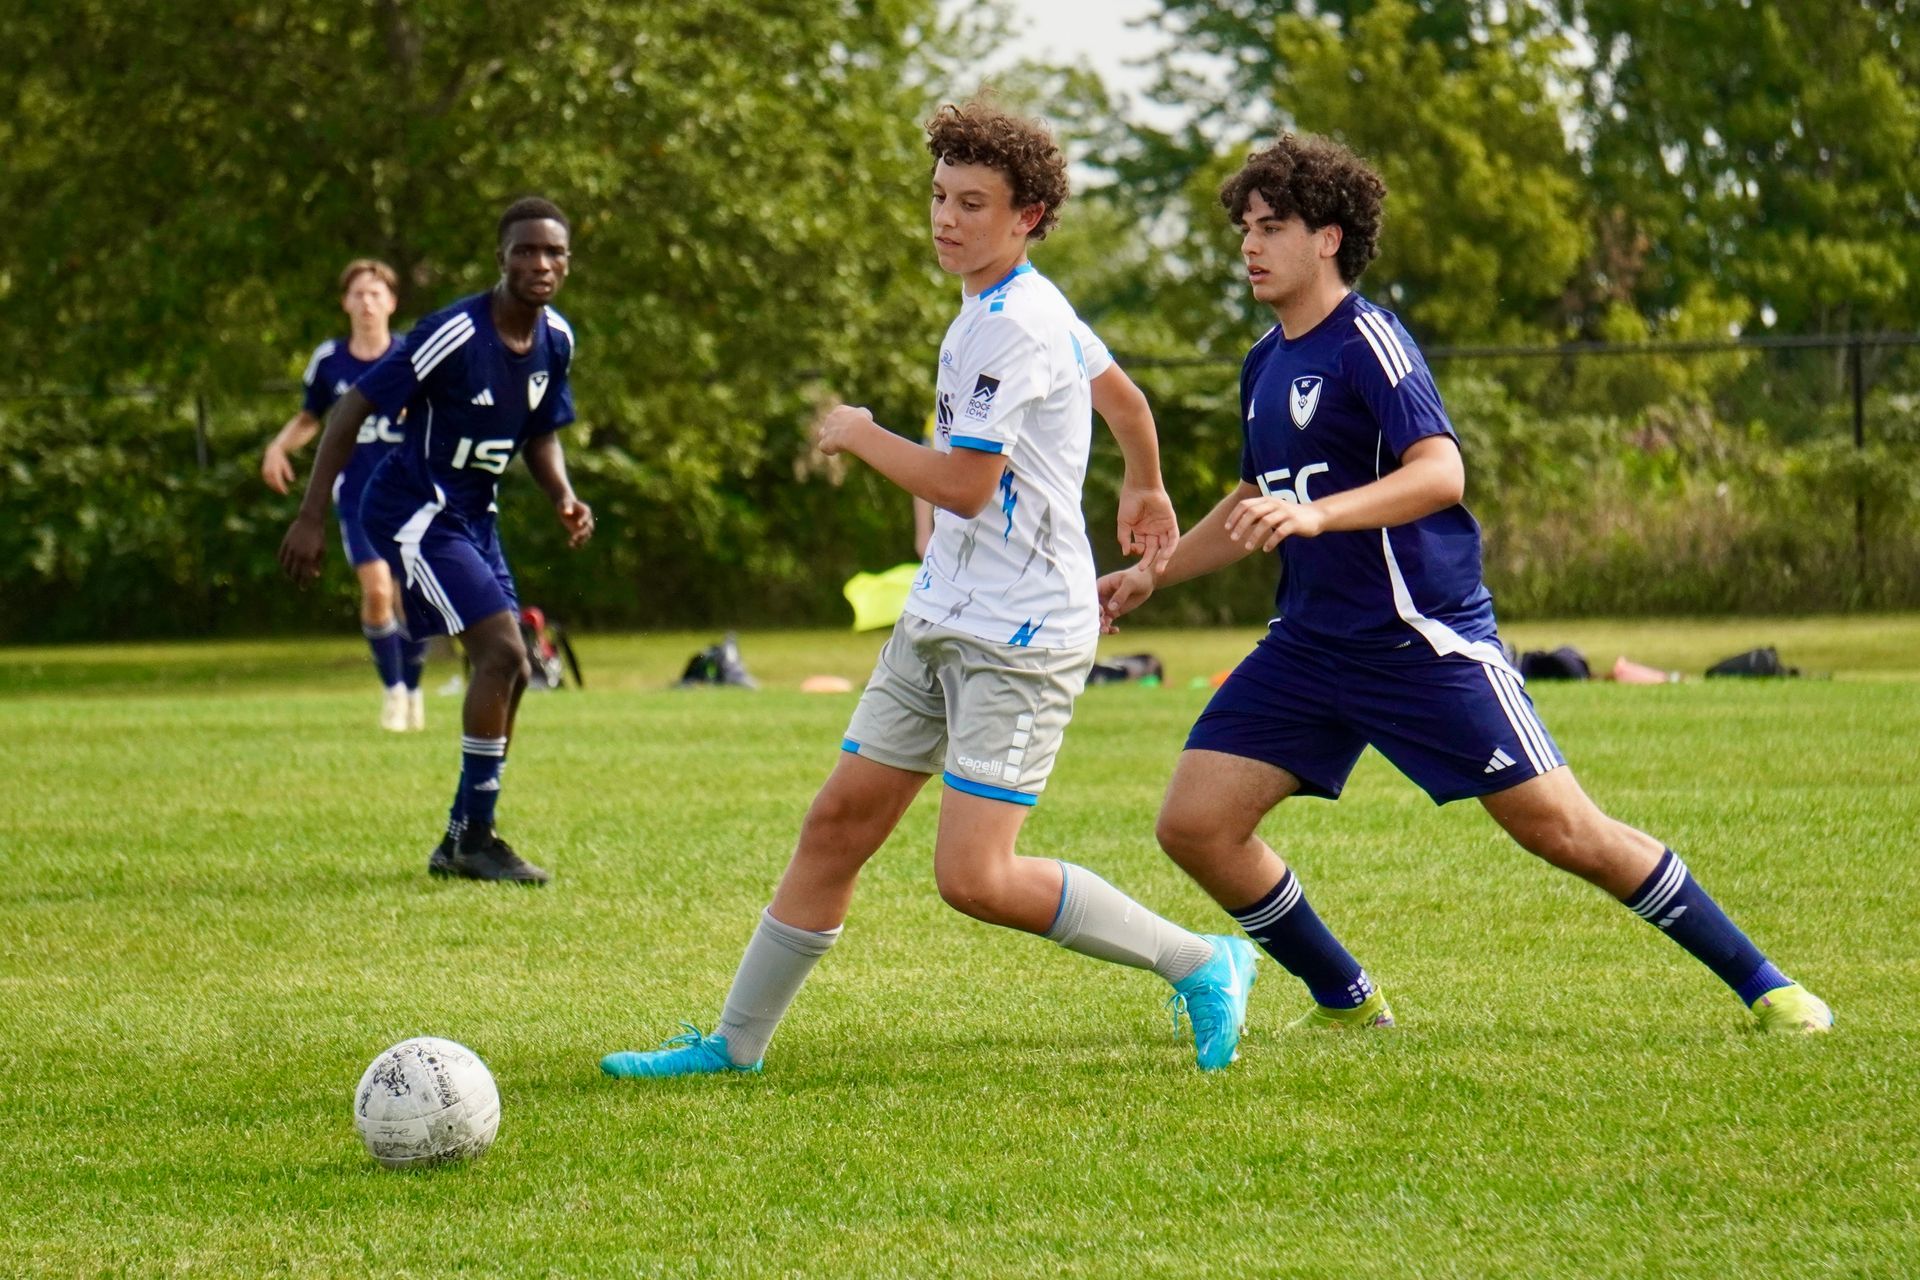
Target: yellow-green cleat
point(1373, 1014)
point(1793, 1010)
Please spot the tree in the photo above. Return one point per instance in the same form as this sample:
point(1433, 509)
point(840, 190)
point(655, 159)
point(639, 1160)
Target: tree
point(1457, 105)
point(184, 182)
point(1767, 151)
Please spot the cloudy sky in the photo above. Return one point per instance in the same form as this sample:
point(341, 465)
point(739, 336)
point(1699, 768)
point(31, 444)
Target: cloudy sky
point(1094, 31)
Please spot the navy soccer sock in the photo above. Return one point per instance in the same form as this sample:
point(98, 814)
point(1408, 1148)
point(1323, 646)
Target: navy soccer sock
point(413, 660)
point(1672, 900)
point(385, 642)
point(481, 761)
point(1286, 927)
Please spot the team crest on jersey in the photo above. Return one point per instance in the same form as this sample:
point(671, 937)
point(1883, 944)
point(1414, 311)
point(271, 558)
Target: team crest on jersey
point(980, 403)
point(946, 358)
point(536, 387)
point(1304, 400)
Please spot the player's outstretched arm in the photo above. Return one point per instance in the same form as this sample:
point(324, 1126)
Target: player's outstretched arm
point(548, 463)
point(1430, 478)
point(305, 544)
point(1147, 524)
point(961, 481)
point(276, 466)
point(1203, 549)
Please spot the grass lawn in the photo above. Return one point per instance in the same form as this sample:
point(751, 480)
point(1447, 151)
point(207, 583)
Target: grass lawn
point(215, 913)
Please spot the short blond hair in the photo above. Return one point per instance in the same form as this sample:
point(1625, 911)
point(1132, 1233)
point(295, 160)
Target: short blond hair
point(370, 267)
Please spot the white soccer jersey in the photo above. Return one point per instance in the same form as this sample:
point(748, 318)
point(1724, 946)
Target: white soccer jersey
point(1014, 373)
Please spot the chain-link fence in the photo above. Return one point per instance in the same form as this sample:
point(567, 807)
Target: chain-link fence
point(1753, 474)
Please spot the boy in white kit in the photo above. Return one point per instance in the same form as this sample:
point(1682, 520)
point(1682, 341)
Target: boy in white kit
point(977, 681)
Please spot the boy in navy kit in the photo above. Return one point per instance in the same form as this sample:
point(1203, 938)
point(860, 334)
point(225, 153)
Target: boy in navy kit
point(369, 292)
point(1385, 633)
point(479, 381)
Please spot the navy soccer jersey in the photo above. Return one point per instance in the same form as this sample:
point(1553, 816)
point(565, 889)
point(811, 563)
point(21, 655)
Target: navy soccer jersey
point(470, 404)
point(1333, 409)
point(330, 372)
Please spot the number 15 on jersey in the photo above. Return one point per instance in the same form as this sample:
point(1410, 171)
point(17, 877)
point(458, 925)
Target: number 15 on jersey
point(487, 455)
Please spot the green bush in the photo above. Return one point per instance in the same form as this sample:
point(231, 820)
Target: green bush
point(108, 528)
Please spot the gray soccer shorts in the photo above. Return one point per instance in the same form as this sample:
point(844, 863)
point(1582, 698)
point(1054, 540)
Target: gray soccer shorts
point(988, 717)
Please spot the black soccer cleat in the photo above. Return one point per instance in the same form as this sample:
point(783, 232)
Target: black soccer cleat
point(440, 861)
point(488, 857)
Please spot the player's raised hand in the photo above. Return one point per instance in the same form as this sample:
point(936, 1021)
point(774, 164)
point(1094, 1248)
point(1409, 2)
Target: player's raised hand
point(1121, 593)
point(1148, 526)
point(276, 469)
point(302, 549)
point(1263, 523)
point(840, 427)
point(577, 516)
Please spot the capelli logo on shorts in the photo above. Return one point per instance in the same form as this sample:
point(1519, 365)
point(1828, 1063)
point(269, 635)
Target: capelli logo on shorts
point(985, 768)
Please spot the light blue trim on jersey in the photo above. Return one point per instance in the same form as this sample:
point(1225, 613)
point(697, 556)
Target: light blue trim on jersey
point(973, 788)
point(975, 442)
point(1005, 280)
point(848, 744)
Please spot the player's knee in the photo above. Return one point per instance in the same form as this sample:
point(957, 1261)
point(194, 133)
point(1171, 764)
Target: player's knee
point(1563, 839)
point(971, 890)
point(834, 825)
point(1188, 834)
point(376, 603)
point(506, 663)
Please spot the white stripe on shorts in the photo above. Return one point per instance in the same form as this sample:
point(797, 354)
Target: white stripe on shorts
point(419, 575)
point(1515, 711)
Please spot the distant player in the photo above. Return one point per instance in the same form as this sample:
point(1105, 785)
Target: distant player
point(479, 381)
point(1385, 635)
point(369, 291)
point(979, 677)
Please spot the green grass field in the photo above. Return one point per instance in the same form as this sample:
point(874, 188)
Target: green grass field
point(215, 913)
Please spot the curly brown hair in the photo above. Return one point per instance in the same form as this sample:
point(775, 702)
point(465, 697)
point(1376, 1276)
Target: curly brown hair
point(1323, 183)
point(1023, 150)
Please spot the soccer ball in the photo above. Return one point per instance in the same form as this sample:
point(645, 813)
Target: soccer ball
point(426, 1101)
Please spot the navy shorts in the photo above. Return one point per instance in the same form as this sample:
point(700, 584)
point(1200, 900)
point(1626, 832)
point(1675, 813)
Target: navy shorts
point(360, 548)
point(451, 571)
point(1457, 726)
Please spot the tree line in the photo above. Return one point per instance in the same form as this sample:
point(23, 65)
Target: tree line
point(746, 181)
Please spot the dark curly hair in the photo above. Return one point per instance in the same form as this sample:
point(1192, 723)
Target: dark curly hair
point(1021, 149)
point(531, 209)
point(1325, 184)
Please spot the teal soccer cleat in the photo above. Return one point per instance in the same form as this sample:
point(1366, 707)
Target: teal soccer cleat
point(1214, 998)
point(688, 1054)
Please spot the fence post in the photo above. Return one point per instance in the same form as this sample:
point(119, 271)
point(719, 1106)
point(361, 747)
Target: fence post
point(1856, 372)
point(200, 429)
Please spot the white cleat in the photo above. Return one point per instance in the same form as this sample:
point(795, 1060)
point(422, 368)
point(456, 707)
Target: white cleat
point(416, 710)
point(393, 712)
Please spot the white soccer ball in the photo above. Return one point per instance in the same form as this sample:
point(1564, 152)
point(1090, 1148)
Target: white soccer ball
point(426, 1101)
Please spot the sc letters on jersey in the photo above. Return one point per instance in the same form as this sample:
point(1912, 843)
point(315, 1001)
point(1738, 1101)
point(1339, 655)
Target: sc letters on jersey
point(1274, 483)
